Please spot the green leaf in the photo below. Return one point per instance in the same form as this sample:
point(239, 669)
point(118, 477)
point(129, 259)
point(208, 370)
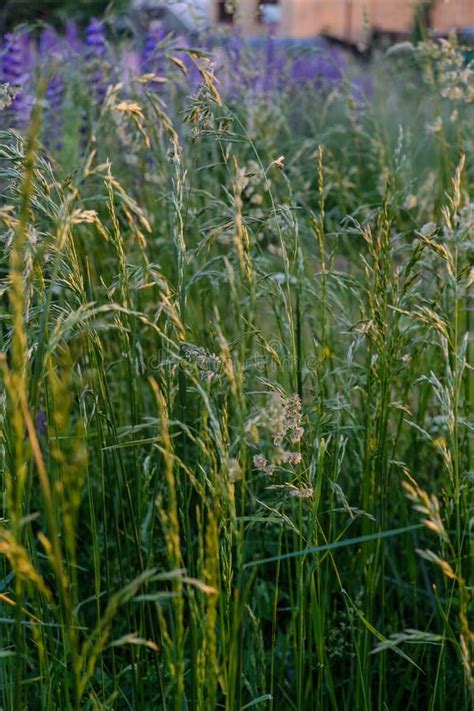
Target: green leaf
point(336, 544)
point(265, 697)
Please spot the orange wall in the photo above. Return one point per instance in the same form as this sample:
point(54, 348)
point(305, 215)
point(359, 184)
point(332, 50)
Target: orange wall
point(456, 13)
point(390, 15)
point(349, 18)
point(344, 18)
point(307, 17)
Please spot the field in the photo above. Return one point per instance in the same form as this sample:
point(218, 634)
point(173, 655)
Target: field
point(236, 428)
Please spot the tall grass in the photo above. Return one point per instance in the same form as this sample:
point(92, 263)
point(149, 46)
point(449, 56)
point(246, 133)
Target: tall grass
point(237, 379)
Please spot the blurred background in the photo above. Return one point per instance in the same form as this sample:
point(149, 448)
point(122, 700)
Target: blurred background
point(350, 21)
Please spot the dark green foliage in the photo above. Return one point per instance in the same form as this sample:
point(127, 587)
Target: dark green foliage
point(55, 12)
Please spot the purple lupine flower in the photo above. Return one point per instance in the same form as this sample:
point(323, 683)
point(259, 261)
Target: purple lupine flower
point(72, 36)
point(194, 77)
point(95, 38)
point(226, 56)
point(152, 60)
point(54, 101)
point(302, 69)
point(210, 43)
point(28, 50)
point(96, 53)
point(152, 57)
point(54, 93)
point(319, 66)
point(270, 61)
point(249, 63)
point(362, 89)
point(52, 51)
point(12, 60)
point(236, 49)
point(14, 72)
point(49, 42)
point(331, 66)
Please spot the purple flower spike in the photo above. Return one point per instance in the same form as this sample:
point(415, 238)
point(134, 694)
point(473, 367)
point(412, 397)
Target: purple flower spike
point(14, 72)
point(362, 90)
point(95, 38)
point(13, 60)
point(51, 51)
point(152, 58)
point(28, 50)
point(48, 41)
point(96, 53)
point(194, 77)
point(54, 99)
point(54, 93)
point(270, 62)
point(72, 36)
point(320, 66)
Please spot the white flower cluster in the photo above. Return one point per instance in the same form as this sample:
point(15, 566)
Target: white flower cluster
point(281, 419)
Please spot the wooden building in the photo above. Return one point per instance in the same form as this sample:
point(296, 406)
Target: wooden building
point(346, 19)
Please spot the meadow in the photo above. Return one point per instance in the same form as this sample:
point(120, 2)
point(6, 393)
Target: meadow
point(236, 428)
